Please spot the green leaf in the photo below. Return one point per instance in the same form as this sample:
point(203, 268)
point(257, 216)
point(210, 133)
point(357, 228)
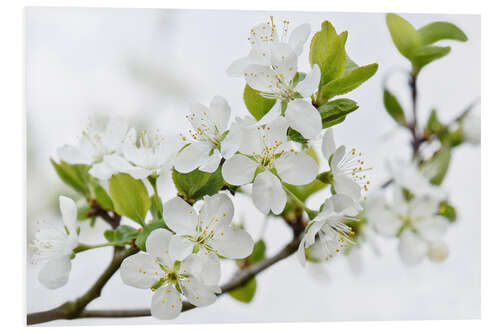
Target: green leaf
point(130, 197)
point(305, 191)
point(258, 253)
point(195, 185)
point(350, 65)
point(246, 292)
point(328, 52)
point(83, 212)
point(122, 235)
point(436, 31)
point(393, 107)
point(140, 241)
point(434, 125)
point(426, 54)
point(334, 112)
point(436, 167)
point(156, 207)
point(257, 105)
point(73, 175)
point(403, 34)
point(448, 211)
point(296, 136)
point(349, 82)
point(102, 197)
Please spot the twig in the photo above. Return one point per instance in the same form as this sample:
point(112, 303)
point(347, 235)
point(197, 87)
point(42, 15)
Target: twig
point(239, 279)
point(96, 210)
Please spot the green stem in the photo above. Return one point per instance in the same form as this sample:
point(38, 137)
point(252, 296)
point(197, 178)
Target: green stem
point(310, 212)
point(84, 247)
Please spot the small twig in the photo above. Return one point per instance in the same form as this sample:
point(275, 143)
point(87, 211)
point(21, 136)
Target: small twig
point(239, 279)
point(96, 210)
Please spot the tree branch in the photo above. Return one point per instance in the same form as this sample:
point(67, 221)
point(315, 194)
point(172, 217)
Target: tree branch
point(239, 279)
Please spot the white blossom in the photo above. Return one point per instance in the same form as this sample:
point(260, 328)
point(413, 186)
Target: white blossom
point(263, 37)
point(348, 168)
point(327, 235)
point(211, 139)
point(170, 280)
point(471, 127)
point(209, 232)
point(53, 244)
point(103, 139)
point(266, 159)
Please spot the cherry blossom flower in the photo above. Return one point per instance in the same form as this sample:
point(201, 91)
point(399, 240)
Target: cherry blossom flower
point(266, 159)
point(54, 243)
point(211, 140)
point(209, 232)
point(471, 127)
point(170, 280)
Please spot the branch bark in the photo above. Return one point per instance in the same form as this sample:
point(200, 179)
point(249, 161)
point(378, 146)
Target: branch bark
point(72, 310)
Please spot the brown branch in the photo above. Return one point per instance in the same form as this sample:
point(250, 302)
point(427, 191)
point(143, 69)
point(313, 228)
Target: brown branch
point(74, 309)
point(112, 218)
point(239, 279)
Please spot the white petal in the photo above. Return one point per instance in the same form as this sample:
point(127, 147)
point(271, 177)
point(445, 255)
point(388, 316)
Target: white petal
point(412, 248)
point(239, 170)
point(73, 155)
point(212, 163)
point(296, 168)
point(267, 193)
point(180, 247)
point(284, 62)
point(345, 205)
point(140, 271)
point(328, 144)
point(219, 113)
point(338, 155)
point(432, 229)
point(238, 66)
point(438, 251)
point(231, 143)
point(180, 216)
point(217, 207)
point(261, 78)
point(157, 245)
point(115, 133)
point(55, 273)
point(298, 37)
point(192, 156)
point(203, 266)
point(232, 242)
point(197, 293)
point(166, 303)
point(384, 222)
point(102, 170)
point(310, 84)
point(68, 212)
point(271, 115)
point(301, 253)
point(304, 118)
point(345, 185)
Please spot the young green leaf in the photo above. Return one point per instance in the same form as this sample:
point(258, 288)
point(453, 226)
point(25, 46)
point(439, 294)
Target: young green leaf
point(335, 111)
point(393, 107)
point(436, 31)
point(257, 105)
point(350, 65)
point(130, 197)
point(122, 235)
point(328, 52)
point(140, 241)
point(436, 167)
point(403, 34)
point(258, 253)
point(195, 185)
point(349, 82)
point(434, 125)
point(102, 197)
point(448, 211)
point(427, 54)
point(296, 136)
point(246, 292)
point(73, 175)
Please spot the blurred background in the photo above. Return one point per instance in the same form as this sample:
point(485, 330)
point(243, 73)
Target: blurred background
point(148, 65)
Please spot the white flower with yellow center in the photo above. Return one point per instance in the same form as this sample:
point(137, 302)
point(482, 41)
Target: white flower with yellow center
point(348, 168)
point(211, 140)
point(209, 232)
point(150, 157)
point(53, 245)
point(327, 235)
point(195, 278)
point(263, 37)
point(417, 224)
point(471, 127)
point(104, 137)
point(266, 159)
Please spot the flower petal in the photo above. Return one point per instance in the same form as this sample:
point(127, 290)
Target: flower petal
point(267, 193)
point(345, 185)
point(140, 271)
point(192, 156)
point(180, 216)
point(198, 293)
point(238, 66)
point(345, 205)
point(438, 251)
point(296, 168)
point(261, 78)
point(239, 170)
point(309, 85)
point(180, 247)
point(284, 62)
point(301, 253)
point(73, 155)
point(204, 267)
point(55, 273)
point(412, 248)
point(328, 144)
point(298, 37)
point(102, 170)
point(219, 113)
point(157, 245)
point(68, 212)
point(304, 118)
point(217, 207)
point(212, 162)
point(232, 242)
point(432, 229)
point(166, 303)
point(386, 223)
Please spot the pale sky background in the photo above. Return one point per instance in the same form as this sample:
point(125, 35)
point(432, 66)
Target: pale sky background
point(148, 65)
